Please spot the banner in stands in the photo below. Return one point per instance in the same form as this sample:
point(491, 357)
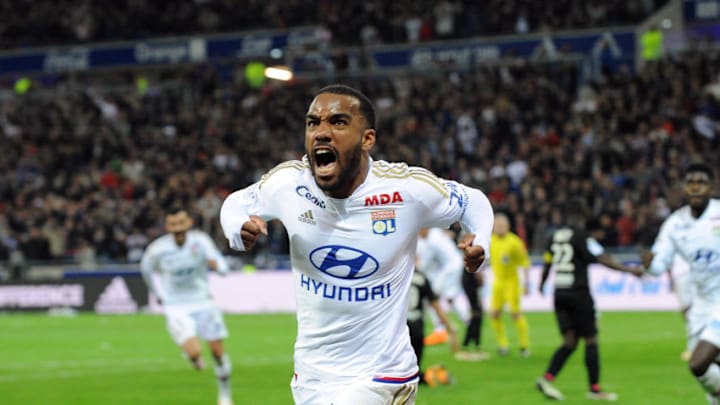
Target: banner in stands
point(701, 10)
point(619, 45)
point(273, 291)
point(154, 52)
point(101, 293)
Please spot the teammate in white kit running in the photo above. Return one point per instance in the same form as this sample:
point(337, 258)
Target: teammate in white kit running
point(352, 224)
point(439, 259)
point(180, 260)
point(693, 233)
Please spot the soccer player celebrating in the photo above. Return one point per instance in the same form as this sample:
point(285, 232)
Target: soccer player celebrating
point(352, 224)
point(693, 233)
point(507, 256)
point(180, 260)
point(569, 253)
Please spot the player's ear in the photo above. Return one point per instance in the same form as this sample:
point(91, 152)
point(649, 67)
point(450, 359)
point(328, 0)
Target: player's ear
point(368, 139)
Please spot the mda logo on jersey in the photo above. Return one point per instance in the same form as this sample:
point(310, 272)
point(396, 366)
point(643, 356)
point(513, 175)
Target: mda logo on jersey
point(383, 222)
point(343, 262)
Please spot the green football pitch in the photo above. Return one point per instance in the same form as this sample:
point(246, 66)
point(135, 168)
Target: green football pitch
point(90, 359)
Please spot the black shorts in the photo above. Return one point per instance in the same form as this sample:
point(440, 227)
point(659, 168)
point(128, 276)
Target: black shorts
point(575, 311)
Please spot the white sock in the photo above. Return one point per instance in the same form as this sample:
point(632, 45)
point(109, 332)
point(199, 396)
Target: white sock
point(222, 372)
point(710, 381)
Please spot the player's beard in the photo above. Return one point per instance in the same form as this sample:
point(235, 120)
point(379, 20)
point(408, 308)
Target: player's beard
point(347, 172)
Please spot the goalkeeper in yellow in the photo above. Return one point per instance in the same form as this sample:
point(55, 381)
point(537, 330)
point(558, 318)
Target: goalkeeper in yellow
point(507, 256)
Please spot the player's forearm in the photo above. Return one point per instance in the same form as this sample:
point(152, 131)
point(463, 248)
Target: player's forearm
point(610, 262)
point(234, 212)
point(478, 218)
point(148, 278)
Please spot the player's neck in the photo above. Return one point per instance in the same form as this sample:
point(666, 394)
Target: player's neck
point(180, 239)
point(357, 181)
point(696, 212)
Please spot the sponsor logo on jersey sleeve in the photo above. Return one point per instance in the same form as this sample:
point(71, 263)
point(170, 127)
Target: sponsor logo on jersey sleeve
point(384, 199)
point(383, 222)
point(303, 191)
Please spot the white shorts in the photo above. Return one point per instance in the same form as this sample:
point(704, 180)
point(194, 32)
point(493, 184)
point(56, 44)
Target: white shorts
point(685, 289)
point(359, 392)
point(704, 324)
point(446, 285)
point(185, 322)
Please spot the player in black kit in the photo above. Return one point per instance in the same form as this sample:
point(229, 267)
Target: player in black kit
point(420, 293)
point(569, 252)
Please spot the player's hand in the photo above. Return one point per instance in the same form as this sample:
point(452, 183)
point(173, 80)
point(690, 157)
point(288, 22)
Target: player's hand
point(158, 300)
point(526, 289)
point(251, 231)
point(637, 271)
point(474, 255)
point(647, 257)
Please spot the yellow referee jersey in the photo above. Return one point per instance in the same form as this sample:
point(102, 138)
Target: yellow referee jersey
point(507, 254)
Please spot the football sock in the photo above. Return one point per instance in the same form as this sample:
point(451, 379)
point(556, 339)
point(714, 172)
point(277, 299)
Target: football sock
point(521, 324)
point(710, 381)
point(472, 332)
point(499, 328)
point(592, 363)
point(558, 360)
point(222, 372)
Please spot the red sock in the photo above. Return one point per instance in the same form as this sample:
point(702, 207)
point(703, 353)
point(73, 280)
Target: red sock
point(595, 388)
point(549, 377)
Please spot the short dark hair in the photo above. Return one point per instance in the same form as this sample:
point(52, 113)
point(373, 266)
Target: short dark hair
point(576, 209)
point(700, 167)
point(366, 106)
point(175, 208)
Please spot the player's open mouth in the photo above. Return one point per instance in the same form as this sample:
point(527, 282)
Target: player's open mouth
point(325, 161)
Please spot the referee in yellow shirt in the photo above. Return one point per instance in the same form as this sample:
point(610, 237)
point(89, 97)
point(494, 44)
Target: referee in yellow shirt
point(507, 256)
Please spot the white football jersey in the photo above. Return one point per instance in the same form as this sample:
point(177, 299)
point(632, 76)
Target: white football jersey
point(695, 240)
point(181, 270)
point(353, 259)
point(441, 261)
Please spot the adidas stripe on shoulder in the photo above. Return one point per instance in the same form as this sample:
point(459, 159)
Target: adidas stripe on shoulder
point(387, 170)
point(296, 165)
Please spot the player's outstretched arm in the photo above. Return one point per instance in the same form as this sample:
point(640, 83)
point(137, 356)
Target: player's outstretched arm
point(610, 262)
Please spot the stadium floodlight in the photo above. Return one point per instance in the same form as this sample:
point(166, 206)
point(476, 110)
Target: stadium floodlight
point(279, 73)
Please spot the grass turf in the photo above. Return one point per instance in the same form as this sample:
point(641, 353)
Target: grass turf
point(91, 359)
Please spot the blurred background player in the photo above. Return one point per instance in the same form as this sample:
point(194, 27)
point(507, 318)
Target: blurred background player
point(692, 233)
point(420, 295)
point(179, 260)
point(507, 256)
point(472, 343)
point(442, 263)
point(569, 252)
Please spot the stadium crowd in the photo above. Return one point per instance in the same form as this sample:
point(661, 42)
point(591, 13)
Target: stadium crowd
point(86, 174)
point(27, 23)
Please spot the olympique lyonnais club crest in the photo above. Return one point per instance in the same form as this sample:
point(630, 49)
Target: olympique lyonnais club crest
point(383, 222)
